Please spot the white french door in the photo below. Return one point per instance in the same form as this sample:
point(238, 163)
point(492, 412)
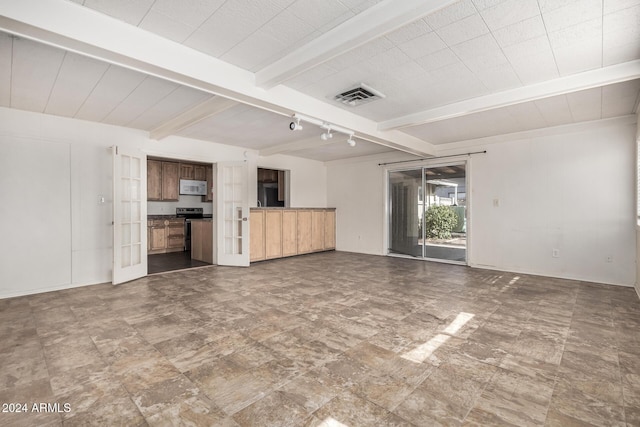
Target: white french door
point(129, 215)
point(233, 214)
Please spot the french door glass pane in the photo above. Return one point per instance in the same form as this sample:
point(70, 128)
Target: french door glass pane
point(405, 207)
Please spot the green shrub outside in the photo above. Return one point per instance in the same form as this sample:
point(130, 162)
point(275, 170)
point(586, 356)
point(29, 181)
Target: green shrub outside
point(440, 221)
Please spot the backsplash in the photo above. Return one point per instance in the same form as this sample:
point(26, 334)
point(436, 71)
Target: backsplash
point(169, 208)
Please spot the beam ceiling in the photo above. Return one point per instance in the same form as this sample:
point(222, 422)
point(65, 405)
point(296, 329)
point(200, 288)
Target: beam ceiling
point(75, 28)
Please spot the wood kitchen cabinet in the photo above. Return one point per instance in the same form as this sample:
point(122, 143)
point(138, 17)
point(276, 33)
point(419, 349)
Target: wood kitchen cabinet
point(317, 230)
point(202, 240)
point(304, 221)
point(329, 229)
point(170, 181)
point(165, 235)
point(193, 171)
point(277, 233)
point(289, 232)
point(273, 234)
point(162, 180)
point(256, 235)
point(154, 180)
point(209, 177)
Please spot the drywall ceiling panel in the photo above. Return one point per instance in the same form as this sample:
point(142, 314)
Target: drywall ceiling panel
point(166, 26)
point(439, 59)
point(578, 48)
point(555, 110)
point(319, 13)
point(231, 23)
point(621, 32)
point(177, 102)
point(509, 12)
point(34, 71)
point(423, 45)
point(6, 43)
point(465, 29)
point(131, 12)
point(560, 15)
point(586, 104)
point(146, 95)
point(249, 127)
point(532, 60)
point(451, 13)
point(520, 31)
point(409, 32)
point(527, 115)
point(480, 53)
point(478, 125)
point(620, 99)
point(341, 150)
point(114, 86)
point(616, 5)
point(311, 76)
point(77, 77)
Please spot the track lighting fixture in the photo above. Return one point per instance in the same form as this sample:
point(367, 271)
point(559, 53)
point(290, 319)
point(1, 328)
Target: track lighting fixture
point(327, 135)
point(295, 125)
point(328, 127)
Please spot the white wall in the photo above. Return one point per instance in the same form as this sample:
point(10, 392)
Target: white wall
point(554, 192)
point(56, 169)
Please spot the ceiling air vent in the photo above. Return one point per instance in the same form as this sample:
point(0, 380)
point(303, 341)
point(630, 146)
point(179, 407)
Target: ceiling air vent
point(358, 95)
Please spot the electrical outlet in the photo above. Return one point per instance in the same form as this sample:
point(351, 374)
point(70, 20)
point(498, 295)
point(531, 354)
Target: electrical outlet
point(555, 253)
point(609, 258)
point(496, 203)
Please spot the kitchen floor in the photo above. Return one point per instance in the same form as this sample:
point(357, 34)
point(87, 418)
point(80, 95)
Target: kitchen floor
point(324, 339)
point(160, 263)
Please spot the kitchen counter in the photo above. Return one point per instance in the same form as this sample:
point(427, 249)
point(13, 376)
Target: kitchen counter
point(152, 217)
point(280, 232)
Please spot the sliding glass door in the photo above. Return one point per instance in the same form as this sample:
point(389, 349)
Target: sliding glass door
point(428, 213)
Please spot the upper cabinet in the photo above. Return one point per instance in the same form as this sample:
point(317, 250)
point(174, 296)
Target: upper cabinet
point(170, 181)
point(193, 171)
point(162, 180)
point(154, 180)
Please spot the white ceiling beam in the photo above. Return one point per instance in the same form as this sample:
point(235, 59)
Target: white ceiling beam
point(586, 80)
point(76, 28)
point(206, 109)
point(368, 25)
point(303, 144)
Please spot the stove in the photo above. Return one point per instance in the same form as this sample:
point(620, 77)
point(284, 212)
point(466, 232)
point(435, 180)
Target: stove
point(188, 214)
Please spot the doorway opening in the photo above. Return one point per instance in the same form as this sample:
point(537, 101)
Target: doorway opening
point(428, 213)
point(179, 214)
point(273, 188)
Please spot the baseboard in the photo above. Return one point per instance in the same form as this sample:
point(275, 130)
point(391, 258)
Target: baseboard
point(45, 289)
point(637, 288)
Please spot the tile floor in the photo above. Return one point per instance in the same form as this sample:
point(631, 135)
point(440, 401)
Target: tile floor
point(332, 339)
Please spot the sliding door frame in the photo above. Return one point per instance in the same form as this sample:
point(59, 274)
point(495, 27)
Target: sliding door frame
point(466, 160)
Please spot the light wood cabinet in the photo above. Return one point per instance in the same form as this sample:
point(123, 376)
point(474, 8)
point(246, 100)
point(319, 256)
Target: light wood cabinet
point(202, 240)
point(186, 171)
point(165, 235)
point(154, 180)
point(289, 232)
point(277, 233)
point(256, 235)
point(304, 231)
point(273, 234)
point(317, 230)
point(329, 229)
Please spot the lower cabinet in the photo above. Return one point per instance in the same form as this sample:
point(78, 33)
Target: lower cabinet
point(202, 240)
point(165, 235)
point(277, 233)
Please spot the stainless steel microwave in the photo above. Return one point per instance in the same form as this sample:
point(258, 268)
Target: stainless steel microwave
point(193, 188)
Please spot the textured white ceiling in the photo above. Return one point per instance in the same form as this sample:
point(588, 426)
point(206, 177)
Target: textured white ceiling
point(469, 49)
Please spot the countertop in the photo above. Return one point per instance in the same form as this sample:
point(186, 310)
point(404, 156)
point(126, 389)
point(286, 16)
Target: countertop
point(288, 209)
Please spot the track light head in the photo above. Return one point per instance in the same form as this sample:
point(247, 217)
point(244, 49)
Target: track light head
point(327, 135)
point(295, 125)
point(351, 141)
